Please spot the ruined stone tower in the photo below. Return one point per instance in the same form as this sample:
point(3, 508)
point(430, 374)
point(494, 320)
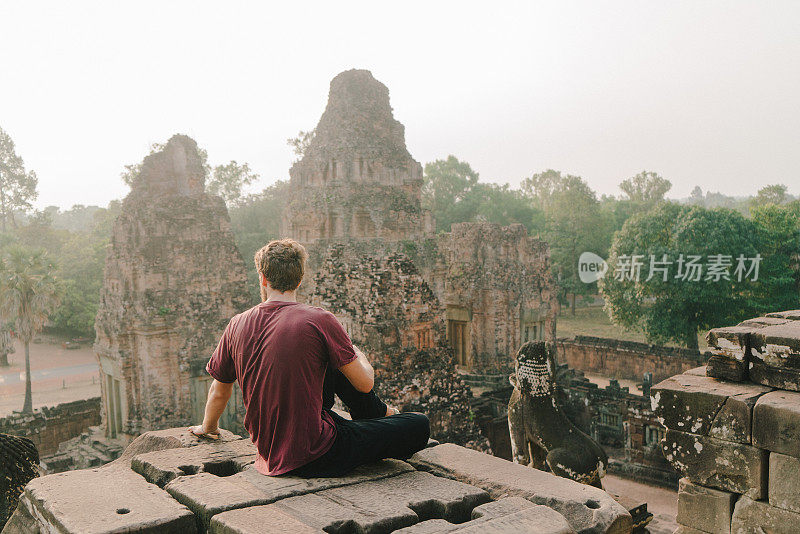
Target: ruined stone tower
point(356, 179)
point(173, 278)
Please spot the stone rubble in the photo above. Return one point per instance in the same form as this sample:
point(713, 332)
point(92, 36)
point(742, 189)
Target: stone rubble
point(171, 482)
point(734, 430)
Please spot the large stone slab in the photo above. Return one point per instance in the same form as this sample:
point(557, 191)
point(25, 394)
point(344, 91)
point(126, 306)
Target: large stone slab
point(170, 438)
point(784, 482)
point(776, 377)
point(377, 506)
point(718, 464)
point(104, 500)
point(726, 368)
point(757, 517)
point(706, 406)
point(705, 509)
point(508, 516)
point(586, 508)
point(207, 495)
point(221, 459)
point(776, 422)
point(788, 314)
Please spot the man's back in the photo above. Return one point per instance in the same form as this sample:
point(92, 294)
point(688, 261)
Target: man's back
point(278, 352)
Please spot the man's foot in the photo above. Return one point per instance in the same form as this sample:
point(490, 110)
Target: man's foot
point(391, 411)
point(200, 433)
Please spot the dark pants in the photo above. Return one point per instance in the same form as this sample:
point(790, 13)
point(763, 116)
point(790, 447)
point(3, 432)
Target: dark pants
point(370, 436)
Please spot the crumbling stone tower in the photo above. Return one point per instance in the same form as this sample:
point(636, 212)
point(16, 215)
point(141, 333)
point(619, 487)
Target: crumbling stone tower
point(357, 184)
point(173, 278)
point(498, 293)
point(356, 179)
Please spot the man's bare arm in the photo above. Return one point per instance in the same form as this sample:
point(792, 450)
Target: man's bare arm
point(359, 372)
point(218, 396)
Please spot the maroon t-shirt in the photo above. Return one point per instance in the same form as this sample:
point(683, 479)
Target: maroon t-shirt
point(278, 352)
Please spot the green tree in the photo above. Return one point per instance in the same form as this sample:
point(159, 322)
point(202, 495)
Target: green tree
point(301, 143)
point(28, 293)
point(17, 186)
point(646, 188)
point(772, 194)
point(676, 309)
point(778, 231)
point(445, 191)
point(574, 223)
point(228, 181)
point(255, 221)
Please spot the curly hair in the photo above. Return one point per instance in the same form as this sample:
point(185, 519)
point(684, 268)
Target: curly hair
point(283, 263)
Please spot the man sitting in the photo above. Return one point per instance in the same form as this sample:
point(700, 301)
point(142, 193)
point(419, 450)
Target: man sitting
point(289, 360)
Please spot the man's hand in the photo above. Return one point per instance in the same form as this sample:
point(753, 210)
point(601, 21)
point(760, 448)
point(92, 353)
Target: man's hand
point(200, 432)
point(218, 395)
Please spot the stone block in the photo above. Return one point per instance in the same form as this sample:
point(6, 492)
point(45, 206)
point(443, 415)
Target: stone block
point(586, 508)
point(104, 500)
point(729, 341)
point(725, 368)
point(377, 506)
point(705, 509)
point(170, 438)
point(784, 482)
point(221, 459)
point(207, 495)
point(776, 377)
point(510, 515)
point(718, 464)
point(757, 517)
point(777, 344)
point(706, 406)
point(788, 314)
point(776, 422)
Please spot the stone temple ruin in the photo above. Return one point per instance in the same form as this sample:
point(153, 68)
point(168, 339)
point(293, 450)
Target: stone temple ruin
point(173, 278)
point(736, 438)
point(357, 185)
point(429, 310)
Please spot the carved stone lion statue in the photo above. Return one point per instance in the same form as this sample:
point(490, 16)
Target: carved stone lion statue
point(541, 435)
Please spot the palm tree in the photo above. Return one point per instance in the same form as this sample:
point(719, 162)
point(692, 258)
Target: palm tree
point(28, 293)
point(6, 344)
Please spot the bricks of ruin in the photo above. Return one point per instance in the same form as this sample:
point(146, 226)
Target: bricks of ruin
point(734, 430)
point(356, 178)
point(495, 284)
point(173, 278)
point(393, 315)
point(627, 359)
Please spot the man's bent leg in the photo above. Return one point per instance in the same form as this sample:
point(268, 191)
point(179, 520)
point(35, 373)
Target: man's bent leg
point(361, 405)
point(369, 440)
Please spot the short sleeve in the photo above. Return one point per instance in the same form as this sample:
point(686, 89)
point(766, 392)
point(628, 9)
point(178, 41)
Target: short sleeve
point(221, 366)
point(340, 348)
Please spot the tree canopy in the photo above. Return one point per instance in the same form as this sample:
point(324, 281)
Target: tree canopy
point(17, 186)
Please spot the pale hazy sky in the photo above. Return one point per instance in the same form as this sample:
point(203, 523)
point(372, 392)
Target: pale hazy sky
point(705, 93)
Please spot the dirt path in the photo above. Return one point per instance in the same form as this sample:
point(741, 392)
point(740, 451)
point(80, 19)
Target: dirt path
point(58, 375)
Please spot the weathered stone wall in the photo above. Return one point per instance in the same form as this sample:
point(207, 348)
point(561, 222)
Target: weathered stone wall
point(498, 279)
point(173, 278)
point(48, 427)
point(392, 314)
point(356, 178)
point(627, 359)
point(737, 441)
